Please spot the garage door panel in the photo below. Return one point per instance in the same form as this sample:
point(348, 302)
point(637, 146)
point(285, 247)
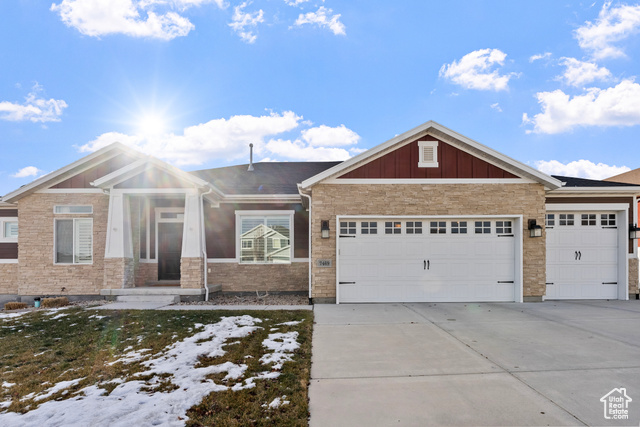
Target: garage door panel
point(418, 267)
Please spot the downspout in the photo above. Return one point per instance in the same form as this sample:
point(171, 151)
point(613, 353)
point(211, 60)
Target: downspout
point(310, 260)
point(203, 245)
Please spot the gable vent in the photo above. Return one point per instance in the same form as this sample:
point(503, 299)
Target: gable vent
point(428, 154)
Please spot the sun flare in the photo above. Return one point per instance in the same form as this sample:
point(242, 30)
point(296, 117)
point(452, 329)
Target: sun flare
point(151, 125)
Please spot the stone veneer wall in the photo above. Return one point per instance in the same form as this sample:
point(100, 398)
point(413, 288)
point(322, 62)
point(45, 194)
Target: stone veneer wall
point(9, 278)
point(147, 272)
point(119, 273)
point(37, 273)
point(330, 200)
point(235, 277)
point(191, 273)
point(633, 277)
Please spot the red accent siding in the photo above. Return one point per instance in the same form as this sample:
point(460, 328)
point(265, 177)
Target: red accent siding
point(8, 251)
point(403, 163)
point(220, 225)
point(83, 179)
point(8, 213)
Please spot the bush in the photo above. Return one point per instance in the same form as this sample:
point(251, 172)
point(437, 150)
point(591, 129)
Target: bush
point(54, 302)
point(15, 305)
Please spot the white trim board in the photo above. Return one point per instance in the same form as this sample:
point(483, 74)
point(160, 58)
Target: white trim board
point(423, 181)
point(9, 261)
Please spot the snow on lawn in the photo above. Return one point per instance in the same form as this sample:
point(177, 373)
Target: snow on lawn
point(129, 405)
point(12, 315)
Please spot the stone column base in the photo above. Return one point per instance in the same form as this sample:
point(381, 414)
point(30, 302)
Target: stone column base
point(191, 273)
point(119, 273)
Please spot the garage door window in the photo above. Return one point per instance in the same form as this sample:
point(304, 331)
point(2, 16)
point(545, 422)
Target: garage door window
point(608, 220)
point(565, 219)
point(483, 227)
point(392, 227)
point(550, 220)
point(504, 227)
point(588, 219)
point(438, 227)
point(458, 227)
point(370, 227)
point(347, 227)
point(414, 227)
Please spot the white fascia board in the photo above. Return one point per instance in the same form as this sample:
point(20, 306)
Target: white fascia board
point(50, 177)
point(424, 128)
point(7, 205)
point(563, 191)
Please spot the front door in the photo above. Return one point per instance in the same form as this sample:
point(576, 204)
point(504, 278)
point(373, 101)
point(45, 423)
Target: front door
point(169, 250)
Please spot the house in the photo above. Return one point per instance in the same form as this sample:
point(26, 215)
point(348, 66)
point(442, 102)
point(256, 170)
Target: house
point(429, 215)
point(630, 177)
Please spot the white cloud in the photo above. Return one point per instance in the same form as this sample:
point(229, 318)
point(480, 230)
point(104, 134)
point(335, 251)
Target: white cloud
point(496, 107)
point(474, 70)
point(228, 139)
point(297, 150)
point(578, 73)
point(539, 56)
point(613, 25)
point(27, 171)
point(34, 109)
point(242, 20)
point(295, 2)
point(325, 136)
point(321, 18)
point(102, 17)
point(615, 106)
point(580, 169)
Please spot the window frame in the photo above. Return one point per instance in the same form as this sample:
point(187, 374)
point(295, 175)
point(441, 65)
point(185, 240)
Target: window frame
point(55, 208)
point(264, 214)
point(421, 161)
point(3, 221)
point(73, 240)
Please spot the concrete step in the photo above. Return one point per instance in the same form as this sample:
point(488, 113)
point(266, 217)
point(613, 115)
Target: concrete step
point(169, 299)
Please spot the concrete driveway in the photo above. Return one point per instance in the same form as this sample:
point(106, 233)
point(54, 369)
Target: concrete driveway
point(474, 364)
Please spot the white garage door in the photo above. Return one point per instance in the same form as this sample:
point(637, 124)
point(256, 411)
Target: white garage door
point(426, 260)
point(582, 255)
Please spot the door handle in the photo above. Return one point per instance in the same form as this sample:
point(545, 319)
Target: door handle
point(579, 255)
point(425, 264)
point(576, 252)
point(428, 264)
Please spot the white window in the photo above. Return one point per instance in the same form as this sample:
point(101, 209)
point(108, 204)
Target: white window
point(392, 227)
point(265, 239)
point(608, 220)
point(438, 227)
point(9, 229)
point(588, 219)
point(347, 227)
point(565, 219)
point(428, 154)
point(369, 227)
point(74, 241)
point(504, 227)
point(483, 227)
point(550, 220)
point(458, 227)
point(72, 209)
point(414, 227)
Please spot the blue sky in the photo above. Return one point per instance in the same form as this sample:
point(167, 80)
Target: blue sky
point(193, 82)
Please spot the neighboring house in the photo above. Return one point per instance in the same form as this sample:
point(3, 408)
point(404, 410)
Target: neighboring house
point(429, 215)
point(631, 177)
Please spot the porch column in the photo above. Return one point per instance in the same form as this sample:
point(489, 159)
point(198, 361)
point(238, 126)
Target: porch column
point(191, 262)
point(118, 256)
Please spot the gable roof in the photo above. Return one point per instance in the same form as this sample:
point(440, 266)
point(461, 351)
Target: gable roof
point(74, 168)
point(266, 178)
point(631, 177)
point(450, 137)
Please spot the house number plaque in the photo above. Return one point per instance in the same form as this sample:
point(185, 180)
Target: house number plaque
point(323, 263)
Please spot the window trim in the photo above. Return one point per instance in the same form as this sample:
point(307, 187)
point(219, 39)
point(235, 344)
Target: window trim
point(422, 163)
point(3, 221)
point(73, 239)
point(263, 214)
point(72, 213)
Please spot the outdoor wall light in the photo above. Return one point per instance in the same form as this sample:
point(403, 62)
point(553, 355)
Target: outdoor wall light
point(634, 231)
point(324, 229)
point(534, 229)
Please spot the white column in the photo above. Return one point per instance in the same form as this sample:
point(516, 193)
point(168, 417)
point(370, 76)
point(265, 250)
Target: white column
point(119, 242)
point(192, 235)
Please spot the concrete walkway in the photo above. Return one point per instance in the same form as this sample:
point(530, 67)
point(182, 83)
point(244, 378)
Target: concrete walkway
point(474, 364)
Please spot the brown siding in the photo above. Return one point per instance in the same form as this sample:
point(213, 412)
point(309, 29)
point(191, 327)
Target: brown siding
point(8, 251)
point(4, 213)
point(84, 179)
point(596, 200)
point(220, 224)
point(452, 163)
